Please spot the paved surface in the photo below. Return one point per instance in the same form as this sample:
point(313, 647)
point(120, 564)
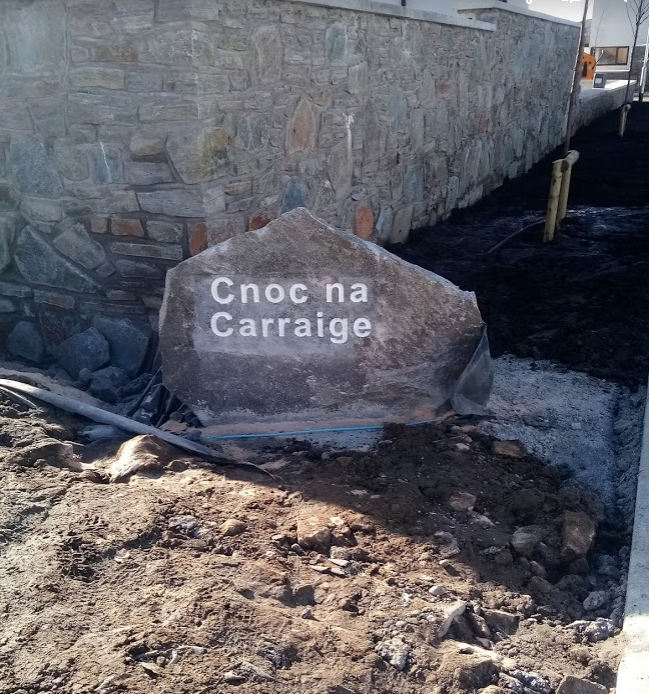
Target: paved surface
point(633, 675)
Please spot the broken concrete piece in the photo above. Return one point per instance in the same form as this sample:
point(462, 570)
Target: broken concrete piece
point(394, 651)
point(299, 322)
point(443, 616)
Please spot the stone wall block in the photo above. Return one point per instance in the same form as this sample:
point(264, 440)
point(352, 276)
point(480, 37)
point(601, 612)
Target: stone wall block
point(105, 164)
point(94, 76)
point(126, 227)
point(71, 161)
point(219, 230)
point(32, 169)
point(147, 250)
point(178, 10)
point(180, 47)
point(76, 244)
point(269, 53)
point(166, 232)
point(200, 154)
point(173, 202)
point(301, 132)
point(40, 264)
point(147, 174)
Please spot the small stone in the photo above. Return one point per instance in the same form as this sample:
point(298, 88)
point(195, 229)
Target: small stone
point(437, 591)
point(538, 569)
point(500, 621)
point(26, 342)
point(394, 651)
point(533, 681)
point(525, 540)
point(581, 654)
point(296, 549)
point(577, 535)
point(232, 527)
point(87, 350)
point(231, 677)
point(539, 586)
point(447, 544)
point(599, 630)
point(478, 625)
point(576, 685)
point(105, 383)
point(462, 501)
point(445, 615)
point(307, 613)
point(596, 599)
point(509, 449)
point(313, 533)
point(510, 684)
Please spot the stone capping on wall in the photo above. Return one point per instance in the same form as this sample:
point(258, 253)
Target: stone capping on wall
point(374, 7)
point(466, 6)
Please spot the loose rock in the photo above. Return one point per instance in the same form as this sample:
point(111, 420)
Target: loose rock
point(313, 533)
point(462, 501)
point(577, 535)
point(497, 620)
point(394, 651)
point(596, 599)
point(576, 685)
point(509, 449)
point(233, 526)
point(526, 539)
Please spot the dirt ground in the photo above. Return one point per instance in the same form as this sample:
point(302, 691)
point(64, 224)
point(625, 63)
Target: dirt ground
point(442, 562)
point(140, 587)
point(582, 301)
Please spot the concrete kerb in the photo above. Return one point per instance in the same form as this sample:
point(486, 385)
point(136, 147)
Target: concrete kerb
point(633, 674)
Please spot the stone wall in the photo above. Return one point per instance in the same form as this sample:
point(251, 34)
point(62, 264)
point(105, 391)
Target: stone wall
point(134, 133)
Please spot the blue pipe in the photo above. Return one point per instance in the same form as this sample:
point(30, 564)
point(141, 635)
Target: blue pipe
point(376, 427)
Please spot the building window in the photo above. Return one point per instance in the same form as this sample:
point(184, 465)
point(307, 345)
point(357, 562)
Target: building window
point(612, 55)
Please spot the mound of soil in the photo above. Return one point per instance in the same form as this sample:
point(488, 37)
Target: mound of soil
point(351, 572)
point(582, 301)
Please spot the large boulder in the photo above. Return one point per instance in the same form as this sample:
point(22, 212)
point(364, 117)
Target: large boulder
point(301, 325)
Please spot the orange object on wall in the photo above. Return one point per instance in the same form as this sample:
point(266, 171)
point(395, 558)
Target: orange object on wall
point(588, 66)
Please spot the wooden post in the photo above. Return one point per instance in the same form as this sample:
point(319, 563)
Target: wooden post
point(553, 201)
point(566, 170)
point(624, 113)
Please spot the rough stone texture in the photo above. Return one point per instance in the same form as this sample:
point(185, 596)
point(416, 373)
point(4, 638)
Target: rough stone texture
point(26, 342)
point(576, 685)
point(40, 264)
point(86, 350)
point(226, 113)
point(577, 535)
point(394, 337)
point(76, 244)
point(128, 341)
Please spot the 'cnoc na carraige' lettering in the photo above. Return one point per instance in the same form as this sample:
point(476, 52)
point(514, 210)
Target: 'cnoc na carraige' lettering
point(337, 329)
